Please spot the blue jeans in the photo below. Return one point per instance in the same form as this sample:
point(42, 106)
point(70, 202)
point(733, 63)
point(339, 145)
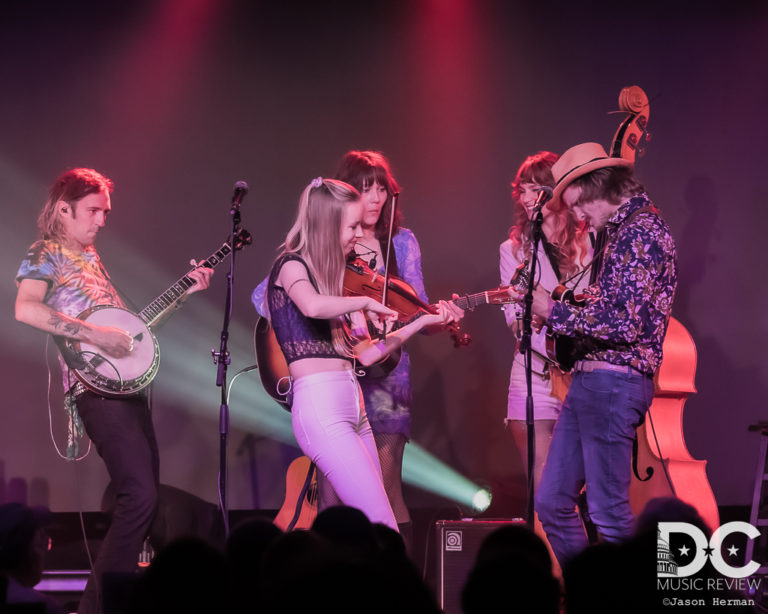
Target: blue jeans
point(592, 445)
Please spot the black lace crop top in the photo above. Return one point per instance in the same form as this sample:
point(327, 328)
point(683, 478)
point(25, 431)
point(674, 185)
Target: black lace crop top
point(298, 336)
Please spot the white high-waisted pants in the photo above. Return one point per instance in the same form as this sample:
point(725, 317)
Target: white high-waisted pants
point(331, 428)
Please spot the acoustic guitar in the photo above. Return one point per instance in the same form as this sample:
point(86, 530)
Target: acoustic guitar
point(299, 508)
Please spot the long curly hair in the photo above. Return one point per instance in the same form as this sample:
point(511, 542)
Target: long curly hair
point(569, 238)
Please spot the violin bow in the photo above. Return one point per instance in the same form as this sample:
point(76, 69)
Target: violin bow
point(384, 292)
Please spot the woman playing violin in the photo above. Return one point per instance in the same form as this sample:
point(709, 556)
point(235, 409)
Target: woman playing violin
point(561, 256)
point(322, 333)
point(387, 399)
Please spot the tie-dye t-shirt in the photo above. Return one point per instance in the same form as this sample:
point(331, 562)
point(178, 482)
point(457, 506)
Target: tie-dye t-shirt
point(76, 281)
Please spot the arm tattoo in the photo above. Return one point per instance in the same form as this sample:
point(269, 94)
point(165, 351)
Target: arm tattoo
point(69, 327)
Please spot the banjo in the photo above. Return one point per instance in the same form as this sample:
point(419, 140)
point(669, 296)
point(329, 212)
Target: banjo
point(117, 377)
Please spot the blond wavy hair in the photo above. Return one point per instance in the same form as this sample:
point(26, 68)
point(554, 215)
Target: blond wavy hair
point(315, 236)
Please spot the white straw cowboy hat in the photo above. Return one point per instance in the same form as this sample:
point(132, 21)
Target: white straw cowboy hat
point(578, 161)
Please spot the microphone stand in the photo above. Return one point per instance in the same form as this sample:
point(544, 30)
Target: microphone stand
point(525, 349)
point(222, 359)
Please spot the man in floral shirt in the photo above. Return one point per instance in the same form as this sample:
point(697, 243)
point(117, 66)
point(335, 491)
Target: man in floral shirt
point(619, 332)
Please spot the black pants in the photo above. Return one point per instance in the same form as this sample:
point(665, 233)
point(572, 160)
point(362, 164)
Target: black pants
point(123, 434)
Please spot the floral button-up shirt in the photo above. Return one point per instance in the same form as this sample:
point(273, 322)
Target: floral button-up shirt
point(628, 308)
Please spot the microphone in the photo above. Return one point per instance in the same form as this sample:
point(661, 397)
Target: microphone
point(241, 189)
point(545, 195)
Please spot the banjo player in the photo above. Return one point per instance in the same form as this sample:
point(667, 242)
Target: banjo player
point(60, 277)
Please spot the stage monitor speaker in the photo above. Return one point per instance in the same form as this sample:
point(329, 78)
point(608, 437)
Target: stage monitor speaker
point(457, 544)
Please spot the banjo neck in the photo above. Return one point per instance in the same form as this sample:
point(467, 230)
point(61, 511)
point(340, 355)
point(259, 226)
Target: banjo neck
point(169, 300)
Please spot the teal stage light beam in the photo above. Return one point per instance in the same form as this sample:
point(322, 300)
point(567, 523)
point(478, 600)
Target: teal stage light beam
point(188, 377)
point(422, 469)
point(250, 408)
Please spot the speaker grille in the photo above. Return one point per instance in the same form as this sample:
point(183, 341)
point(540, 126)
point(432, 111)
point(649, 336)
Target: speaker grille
point(458, 542)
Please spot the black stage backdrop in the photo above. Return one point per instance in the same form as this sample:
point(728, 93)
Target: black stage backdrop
point(176, 100)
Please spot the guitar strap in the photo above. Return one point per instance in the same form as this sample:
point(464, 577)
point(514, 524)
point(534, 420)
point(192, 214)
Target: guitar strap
point(301, 497)
point(72, 359)
point(600, 243)
point(126, 299)
point(597, 261)
point(551, 252)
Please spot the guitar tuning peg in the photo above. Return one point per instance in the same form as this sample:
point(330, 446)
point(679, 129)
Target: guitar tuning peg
point(648, 136)
point(640, 152)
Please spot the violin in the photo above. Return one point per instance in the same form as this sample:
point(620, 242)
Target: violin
point(361, 280)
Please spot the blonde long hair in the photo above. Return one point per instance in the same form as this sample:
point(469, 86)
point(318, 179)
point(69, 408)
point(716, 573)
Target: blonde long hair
point(315, 236)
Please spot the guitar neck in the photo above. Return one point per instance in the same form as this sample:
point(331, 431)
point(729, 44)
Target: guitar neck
point(168, 300)
point(470, 301)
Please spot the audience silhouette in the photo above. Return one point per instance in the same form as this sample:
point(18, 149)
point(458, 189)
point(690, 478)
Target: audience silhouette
point(346, 564)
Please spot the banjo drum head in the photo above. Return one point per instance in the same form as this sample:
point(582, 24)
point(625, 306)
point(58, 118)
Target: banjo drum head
point(138, 362)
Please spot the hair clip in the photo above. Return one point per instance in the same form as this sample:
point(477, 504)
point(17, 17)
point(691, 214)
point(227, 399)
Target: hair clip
point(317, 182)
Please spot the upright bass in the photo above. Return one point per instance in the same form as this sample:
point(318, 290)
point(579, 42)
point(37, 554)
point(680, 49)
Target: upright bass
point(662, 465)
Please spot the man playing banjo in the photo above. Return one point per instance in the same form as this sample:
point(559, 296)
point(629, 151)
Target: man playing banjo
point(61, 277)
